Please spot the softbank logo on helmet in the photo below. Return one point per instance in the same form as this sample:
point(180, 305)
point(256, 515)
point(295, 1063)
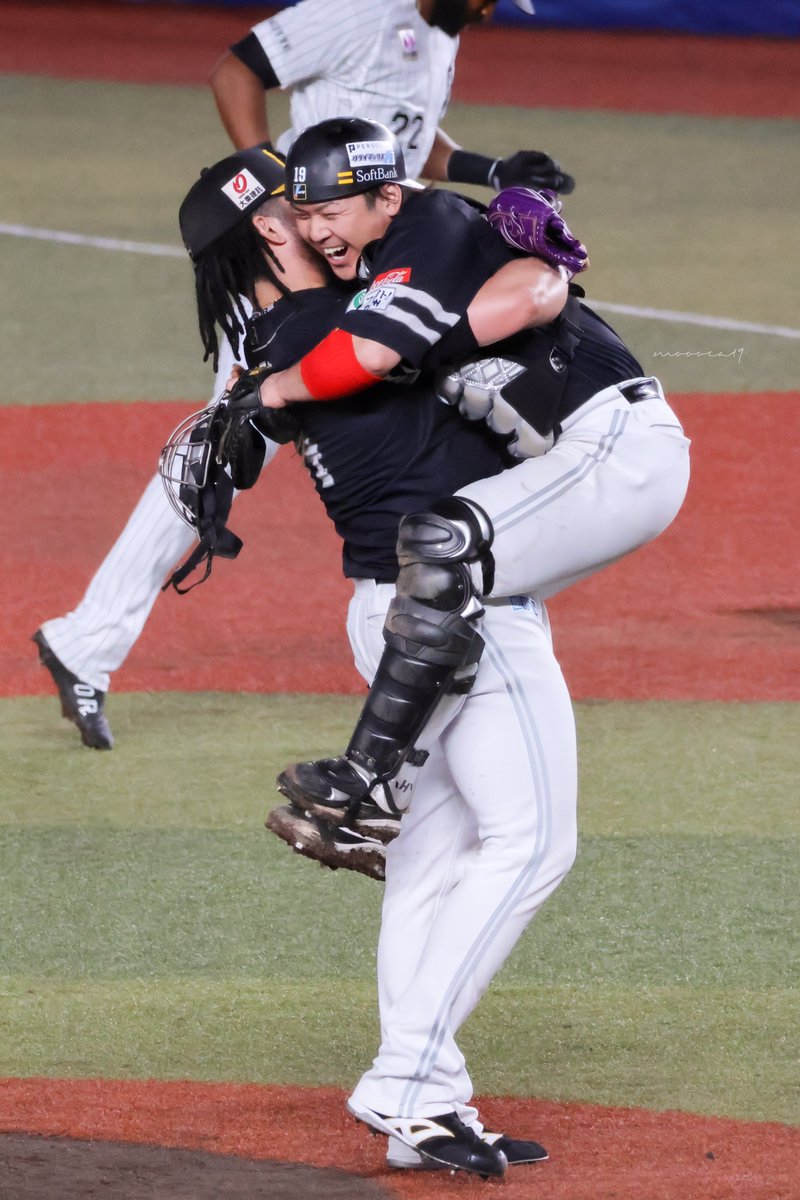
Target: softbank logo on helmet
point(373, 175)
point(368, 154)
point(243, 189)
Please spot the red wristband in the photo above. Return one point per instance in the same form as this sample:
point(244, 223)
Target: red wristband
point(331, 370)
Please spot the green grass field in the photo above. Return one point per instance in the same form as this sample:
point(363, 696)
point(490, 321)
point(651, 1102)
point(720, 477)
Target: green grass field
point(152, 928)
point(680, 213)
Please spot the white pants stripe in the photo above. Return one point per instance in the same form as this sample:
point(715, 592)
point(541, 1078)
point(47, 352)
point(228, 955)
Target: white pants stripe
point(490, 833)
point(518, 891)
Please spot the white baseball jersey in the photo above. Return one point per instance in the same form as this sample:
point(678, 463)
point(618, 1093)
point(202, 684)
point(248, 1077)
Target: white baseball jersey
point(366, 58)
point(362, 58)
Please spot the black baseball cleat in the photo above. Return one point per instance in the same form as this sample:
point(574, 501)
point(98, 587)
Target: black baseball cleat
point(375, 822)
point(80, 702)
point(518, 1153)
point(333, 846)
point(330, 788)
point(444, 1140)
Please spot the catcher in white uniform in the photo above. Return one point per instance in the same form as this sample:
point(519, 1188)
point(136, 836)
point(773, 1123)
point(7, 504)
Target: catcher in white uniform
point(391, 59)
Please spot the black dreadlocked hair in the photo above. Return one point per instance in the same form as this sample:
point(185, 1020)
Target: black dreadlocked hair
point(226, 271)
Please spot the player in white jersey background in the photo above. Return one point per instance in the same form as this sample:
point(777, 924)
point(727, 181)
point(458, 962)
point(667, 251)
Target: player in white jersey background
point(378, 58)
point(393, 62)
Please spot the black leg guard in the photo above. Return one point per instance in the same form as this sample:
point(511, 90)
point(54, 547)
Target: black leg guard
point(412, 677)
point(432, 645)
point(432, 648)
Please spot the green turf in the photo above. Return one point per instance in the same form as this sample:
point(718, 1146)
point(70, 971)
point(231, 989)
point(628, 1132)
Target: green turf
point(152, 928)
point(686, 213)
point(213, 903)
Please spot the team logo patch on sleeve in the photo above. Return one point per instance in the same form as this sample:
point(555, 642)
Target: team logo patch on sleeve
point(243, 189)
point(381, 291)
point(377, 299)
point(357, 300)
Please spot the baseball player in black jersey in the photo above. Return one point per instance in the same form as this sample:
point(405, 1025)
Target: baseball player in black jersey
point(605, 469)
point(605, 463)
point(392, 59)
point(373, 464)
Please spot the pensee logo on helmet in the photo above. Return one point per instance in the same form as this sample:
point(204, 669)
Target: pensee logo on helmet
point(370, 154)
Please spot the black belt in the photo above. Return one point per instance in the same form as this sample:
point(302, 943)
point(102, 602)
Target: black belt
point(642, 389)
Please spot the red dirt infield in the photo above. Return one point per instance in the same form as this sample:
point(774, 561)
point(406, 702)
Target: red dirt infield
point(710, 611)
point(595, 1153)
point(556, 68)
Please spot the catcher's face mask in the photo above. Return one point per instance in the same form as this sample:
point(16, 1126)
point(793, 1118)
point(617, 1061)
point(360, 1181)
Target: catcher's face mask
point(184, 465)
point(200, 491)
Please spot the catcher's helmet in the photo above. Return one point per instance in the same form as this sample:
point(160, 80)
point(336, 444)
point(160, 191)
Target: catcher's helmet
point(227, 191)
point(343, 157)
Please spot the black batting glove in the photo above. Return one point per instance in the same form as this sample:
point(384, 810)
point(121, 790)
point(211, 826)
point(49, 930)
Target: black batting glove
point(530, 168)
point(526, 168)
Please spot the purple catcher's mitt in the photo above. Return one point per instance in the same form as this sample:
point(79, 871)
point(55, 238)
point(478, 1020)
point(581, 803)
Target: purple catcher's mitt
point(529, 221)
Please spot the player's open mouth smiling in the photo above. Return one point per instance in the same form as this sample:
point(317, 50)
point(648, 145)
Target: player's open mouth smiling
point(335, 254)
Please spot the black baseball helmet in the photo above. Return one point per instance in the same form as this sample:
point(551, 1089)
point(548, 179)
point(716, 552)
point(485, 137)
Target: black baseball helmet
point(343, 157)
point(223, 194)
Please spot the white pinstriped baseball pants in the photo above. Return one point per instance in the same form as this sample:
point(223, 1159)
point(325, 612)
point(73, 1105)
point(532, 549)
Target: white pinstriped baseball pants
point(95, 638)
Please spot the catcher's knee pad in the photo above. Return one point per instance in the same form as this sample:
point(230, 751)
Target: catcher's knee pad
point(437, 551)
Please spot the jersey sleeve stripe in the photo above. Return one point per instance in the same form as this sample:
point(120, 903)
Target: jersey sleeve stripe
point(426, 332)
point(427, 302)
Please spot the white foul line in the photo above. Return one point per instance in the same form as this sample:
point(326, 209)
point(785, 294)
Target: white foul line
point(99, 243)
point(162, 251)
point(685, 318)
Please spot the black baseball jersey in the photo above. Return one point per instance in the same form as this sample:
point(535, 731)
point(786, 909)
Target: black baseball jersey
point(600, 360)
point(423, 273)
point(387, 452)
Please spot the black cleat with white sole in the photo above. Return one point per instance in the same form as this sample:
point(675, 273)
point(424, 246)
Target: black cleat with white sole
point(333, 846)
point(375, 822)
point(444, 1140)
point(330, 788)
point(518, 1151)
point(80, 702)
